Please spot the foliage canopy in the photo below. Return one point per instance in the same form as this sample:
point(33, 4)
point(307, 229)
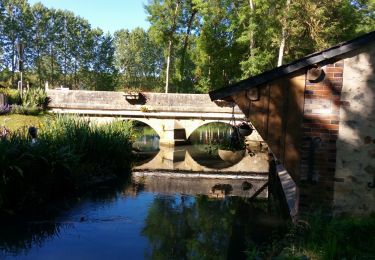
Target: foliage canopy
point(191, 46)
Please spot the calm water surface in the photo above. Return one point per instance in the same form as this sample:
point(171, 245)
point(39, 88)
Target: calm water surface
point(150, 218)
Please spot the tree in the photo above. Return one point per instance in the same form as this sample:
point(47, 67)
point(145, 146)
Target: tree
point(165, 16)
point(138, 59)
point(217, 52)
point(104, 72)
point(39, 43)
point(15, 27)
point(195, 45)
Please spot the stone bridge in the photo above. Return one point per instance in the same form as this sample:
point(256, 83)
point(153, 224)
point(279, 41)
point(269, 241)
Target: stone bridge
point(173, 116)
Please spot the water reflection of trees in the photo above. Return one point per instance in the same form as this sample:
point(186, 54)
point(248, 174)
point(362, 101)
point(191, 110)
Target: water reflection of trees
point(202, 228)
point(205, 134)
point(17, 238)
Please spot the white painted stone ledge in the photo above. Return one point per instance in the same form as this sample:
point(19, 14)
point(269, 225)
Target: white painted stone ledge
point(290, 189)
point(201, 175)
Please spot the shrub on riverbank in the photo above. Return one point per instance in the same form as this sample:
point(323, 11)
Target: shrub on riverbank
point(322, 238)
point(33, 101)
point(13, 95)
point(337, 238)
point(70, 154)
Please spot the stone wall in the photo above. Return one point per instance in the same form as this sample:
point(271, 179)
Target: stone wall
point(355, 161)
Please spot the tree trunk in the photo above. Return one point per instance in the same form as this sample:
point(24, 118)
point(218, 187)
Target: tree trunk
point(52, 57)
point(251, 33)
point(170, 48)
point(13, 61)
point(186, 42)
point(283, 36)
point(168, 64)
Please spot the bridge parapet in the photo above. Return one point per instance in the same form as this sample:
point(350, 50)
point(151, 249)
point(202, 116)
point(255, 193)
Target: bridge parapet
point(148, 102)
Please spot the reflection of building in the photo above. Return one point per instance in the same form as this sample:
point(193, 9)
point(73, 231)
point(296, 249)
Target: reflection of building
point(317, 115)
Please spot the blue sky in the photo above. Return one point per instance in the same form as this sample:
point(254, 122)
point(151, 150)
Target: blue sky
point(109, 15)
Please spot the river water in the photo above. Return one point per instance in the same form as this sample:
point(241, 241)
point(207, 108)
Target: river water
point(181, 203)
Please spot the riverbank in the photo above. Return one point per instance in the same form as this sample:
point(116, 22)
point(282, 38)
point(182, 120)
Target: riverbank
point(320, 237)
point(14, 122)
point(69, 155)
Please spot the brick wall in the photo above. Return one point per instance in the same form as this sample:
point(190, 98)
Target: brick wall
point(320, 132)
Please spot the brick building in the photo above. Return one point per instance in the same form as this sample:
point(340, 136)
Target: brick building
point(317, 115)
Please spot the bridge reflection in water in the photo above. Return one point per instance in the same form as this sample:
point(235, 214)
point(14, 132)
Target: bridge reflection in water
point(195, 170)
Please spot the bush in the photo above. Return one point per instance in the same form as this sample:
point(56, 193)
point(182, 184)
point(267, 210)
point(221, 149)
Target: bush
point(33, 101)
point(13, 95)
point(70, 154)
point(4, 109)
point(35, 97)
point(26, 110)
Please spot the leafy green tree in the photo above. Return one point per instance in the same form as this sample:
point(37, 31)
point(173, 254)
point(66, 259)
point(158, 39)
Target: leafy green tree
point(15, 27)
point(217, 52)
point(138, 59)
point(104, 72)
point(317, 25)
point(365, 10)
point(192, 45)
point(298, 28)
point(39, 43)
point(165, 16)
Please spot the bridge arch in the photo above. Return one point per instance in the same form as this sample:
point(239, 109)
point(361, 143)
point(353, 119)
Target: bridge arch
point(191, 125)
point(154, 126)
point(165, 128)
point(204, 123)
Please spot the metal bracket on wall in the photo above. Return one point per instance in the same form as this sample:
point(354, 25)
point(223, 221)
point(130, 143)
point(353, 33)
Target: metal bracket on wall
point(315, 144)
point(371, 185)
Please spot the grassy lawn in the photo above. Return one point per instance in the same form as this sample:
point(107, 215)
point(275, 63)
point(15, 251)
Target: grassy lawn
point(15, 121)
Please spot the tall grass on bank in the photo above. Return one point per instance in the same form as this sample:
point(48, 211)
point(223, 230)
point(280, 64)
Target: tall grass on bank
point(70, 154)
point(321, 237)
point(336, 238)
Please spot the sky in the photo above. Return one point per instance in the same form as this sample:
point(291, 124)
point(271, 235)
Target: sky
point(108, 15)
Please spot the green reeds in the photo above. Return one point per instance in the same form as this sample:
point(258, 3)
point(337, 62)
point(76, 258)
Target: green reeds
point(69, 154)
point(320, 237)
